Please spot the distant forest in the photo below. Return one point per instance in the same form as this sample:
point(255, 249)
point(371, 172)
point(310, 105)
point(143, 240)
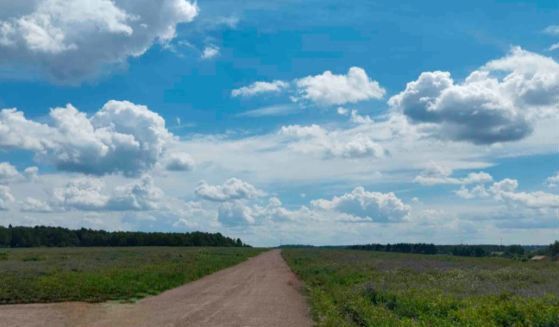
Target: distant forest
point(461, 250)
point(42, 236)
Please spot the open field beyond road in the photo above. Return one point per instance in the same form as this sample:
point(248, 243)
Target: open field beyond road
point(365, 288)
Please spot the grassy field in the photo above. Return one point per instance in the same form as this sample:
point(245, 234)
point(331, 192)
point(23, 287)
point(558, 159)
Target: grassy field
point(100, 274)
point(364, 288)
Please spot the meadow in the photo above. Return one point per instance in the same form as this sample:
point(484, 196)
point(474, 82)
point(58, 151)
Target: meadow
point(368, 288)
point(31, 275)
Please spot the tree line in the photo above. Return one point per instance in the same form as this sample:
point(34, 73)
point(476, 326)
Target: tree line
point(44, 236)
point(422, 248)
point(459, 250)
point(554, 249)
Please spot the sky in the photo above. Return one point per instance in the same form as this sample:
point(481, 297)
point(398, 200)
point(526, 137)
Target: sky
point(301, 122)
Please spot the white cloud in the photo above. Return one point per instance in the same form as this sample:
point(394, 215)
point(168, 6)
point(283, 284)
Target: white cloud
point(259, 88)
point(31, 172)
point(142, 195)
point(35, 205)
point(8, 173)
point(238, 213)
point(478, 191)
point(299, 131)
point(325, 89)
point(506, 190)
point(553, 181)
point(486, 108)
point(506, 185)
point(180, 162)
point(379, 207)
point(359, 146)
point(232, 189)
point(534, 200)
point(59, 36)
point(552, 29)
point(121, 137)
point(81, 194)
point(270, 111)
point(5, 197)
point(408, 148)
point(90, 194)
point(18, 132)
point(209, 52)
point(436, 174)
point(331, 89)
point(315, 139)
point(477, 178)
point(356, 118)
point(342, 111)
point(235, 214)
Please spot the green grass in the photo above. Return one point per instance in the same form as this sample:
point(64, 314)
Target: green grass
point(101, 274)
point(362, 288)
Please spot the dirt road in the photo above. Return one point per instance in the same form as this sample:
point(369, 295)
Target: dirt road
point(261, 291)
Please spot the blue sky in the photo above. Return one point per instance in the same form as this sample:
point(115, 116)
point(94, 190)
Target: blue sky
point(312, 122)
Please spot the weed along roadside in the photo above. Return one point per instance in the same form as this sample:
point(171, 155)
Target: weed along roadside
point(101, 274)
point(366, 288)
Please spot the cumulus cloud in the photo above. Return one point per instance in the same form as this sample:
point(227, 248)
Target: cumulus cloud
point(315, 139)
point(210, 52)
point(299, 131)
point(506, 190)
point(232, 189)
point(8, 173)
point(325, 89)
point(496, 103)
point(259, 88)
point(179, 162)
point(506, 185)
point(239, 213)
point(35, 205)
point(356, 118)
point(89, 194)
point(81, 194)
point(437, 174)
point(534, 200)
point(379, 207)
point(235, 214)
point(343, 111)
point(358, 146)
point(143, 195)
point(330, 89)
point(121, 137)
point(31, 172)
point(553, 181)
point(58, 36)
point(5, 197)
point(478, 191)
